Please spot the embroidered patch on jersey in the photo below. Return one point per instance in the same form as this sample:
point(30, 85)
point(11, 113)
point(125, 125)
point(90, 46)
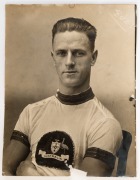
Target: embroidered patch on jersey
point(55, 149)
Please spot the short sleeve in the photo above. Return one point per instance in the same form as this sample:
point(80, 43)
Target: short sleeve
point(106, 135)
point(104, 140)
point(22, 124)
point(21, 130)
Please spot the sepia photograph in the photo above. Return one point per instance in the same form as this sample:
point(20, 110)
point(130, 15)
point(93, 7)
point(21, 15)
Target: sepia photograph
point(70, 72)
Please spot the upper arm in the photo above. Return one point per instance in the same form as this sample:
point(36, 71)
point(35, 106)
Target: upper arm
point(95, 167)
point(13, 155)
point(19, 146)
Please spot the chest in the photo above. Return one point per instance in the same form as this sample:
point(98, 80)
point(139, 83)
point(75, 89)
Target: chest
point(68, 119)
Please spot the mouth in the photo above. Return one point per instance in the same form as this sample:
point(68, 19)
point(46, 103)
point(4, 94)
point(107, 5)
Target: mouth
point(70, 72)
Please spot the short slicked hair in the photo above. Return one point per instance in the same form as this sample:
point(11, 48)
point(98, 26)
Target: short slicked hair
point(75, 24)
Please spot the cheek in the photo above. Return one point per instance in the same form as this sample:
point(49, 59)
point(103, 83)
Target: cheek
point(84, 65)
point(59, 63)
point(85, 69)
point(59, 67)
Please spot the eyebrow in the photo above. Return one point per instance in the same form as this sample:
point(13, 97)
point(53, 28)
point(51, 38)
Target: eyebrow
point(71, 50)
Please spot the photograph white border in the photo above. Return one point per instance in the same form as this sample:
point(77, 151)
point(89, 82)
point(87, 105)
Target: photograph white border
point(2, 75)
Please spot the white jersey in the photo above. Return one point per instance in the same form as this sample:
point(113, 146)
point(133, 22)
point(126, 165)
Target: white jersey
point(62, 134)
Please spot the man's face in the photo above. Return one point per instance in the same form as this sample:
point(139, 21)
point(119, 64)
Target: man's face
point(73, 58)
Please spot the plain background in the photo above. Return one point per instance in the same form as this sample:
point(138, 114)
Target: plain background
point(31, 76)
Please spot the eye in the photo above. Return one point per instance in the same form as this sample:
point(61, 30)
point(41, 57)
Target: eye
point(61, 53)
point(79, 53)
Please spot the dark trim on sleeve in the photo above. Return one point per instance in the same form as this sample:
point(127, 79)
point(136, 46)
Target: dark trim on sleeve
point(19, 136)
point(102, 155)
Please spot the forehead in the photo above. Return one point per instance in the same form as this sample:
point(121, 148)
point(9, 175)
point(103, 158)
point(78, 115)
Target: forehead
point(72, 39)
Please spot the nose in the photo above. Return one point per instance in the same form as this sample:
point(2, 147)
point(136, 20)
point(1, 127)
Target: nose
point(69, 60)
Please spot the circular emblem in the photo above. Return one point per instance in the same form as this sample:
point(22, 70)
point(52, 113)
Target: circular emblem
point(55, 149)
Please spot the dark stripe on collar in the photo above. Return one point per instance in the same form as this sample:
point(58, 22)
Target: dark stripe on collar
point(75, 99)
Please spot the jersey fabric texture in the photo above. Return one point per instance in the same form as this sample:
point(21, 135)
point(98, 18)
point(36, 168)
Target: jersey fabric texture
point(62, 130)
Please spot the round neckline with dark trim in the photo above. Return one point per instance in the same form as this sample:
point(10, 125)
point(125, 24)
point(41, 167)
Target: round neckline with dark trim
point(75, 99)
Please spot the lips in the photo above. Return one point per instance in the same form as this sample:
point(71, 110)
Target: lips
point(70, 72)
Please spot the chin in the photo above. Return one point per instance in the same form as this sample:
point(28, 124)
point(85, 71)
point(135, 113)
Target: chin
point(67, 81)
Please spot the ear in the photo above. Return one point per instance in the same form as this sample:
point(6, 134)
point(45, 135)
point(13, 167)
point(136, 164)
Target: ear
point(94, 57)
point(52, 54)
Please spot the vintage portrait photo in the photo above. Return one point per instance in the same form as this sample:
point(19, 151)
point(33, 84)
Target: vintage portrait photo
point(70, 90)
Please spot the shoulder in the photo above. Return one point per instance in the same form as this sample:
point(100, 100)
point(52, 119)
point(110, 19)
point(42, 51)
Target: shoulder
point(101, 109)
point(100, 115)
point(41, 103)
point(103, 116)
point(38, 106)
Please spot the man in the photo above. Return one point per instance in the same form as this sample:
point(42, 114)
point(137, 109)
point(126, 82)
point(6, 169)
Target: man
point(71, 128)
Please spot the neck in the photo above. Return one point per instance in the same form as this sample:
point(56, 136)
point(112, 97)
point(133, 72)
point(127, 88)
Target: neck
point(73, 90)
